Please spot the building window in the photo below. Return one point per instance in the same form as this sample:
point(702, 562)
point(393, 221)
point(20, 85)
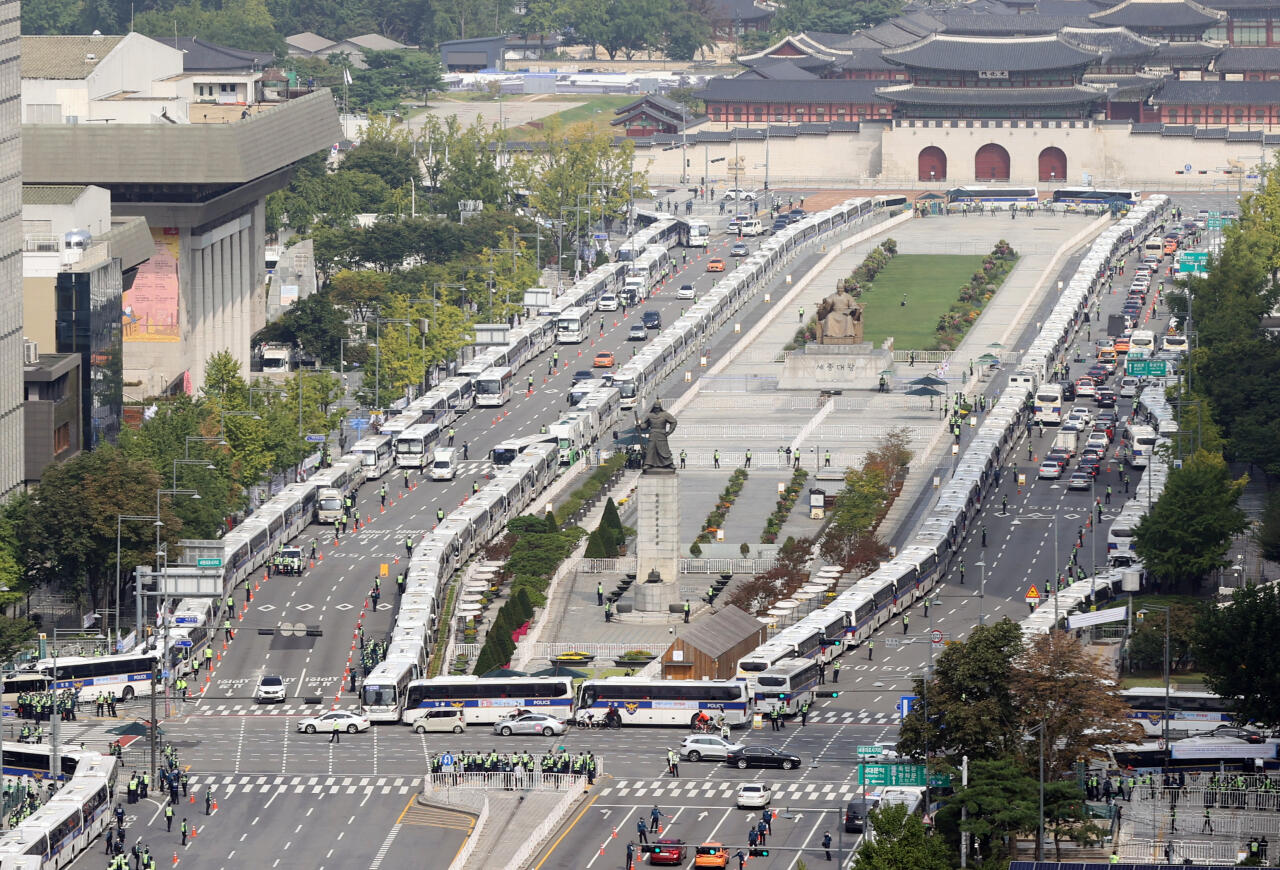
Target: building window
point(1239, 116)
point(737, 113)
point(1217, 33)
point(1249, 31)
point(715, 113)
point(1259, 116)
point(1193, 116)
point(778, 116)
point(1217, 116)
point(758, 113)
point(799, 116)
point(819, 115)
point(61, 438)
point(1173, 116)
point(840, 113)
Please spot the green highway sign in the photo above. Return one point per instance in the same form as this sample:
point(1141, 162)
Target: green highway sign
point(939, 780)
point(1146, 368)
point(891, 774)
point(869, 750)
point(208, 563)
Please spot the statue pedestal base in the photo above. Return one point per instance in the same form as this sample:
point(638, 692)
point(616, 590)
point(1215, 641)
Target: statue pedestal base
point(835, 367)
point(657, 539)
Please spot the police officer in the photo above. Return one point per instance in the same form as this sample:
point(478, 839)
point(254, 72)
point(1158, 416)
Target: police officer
point(683, 456)
point(186, 829)
point(439, 515)
point(673, 761)
point(826, 843)
point(686, 610)
point(168, 818)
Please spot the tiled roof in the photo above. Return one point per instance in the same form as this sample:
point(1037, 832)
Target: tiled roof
point(308, 41)
point(1176, 93)
point(912, 95)
point(765, 91)
point(51, 194)
point(1114, 42)
point(721, 632)
point(670, 107)
point(375, 42)
point(777, 69)
point(1244, 135)
point(1009, 25)
point(1239, 59)
point(201, 56)
point(64, 57)
point(1130, 89)
point(898, 32)
point(738, 10)
point(1188, 55)
point(1241, 5)
point(968, 53)
point(1159, 13)
point(864, 59)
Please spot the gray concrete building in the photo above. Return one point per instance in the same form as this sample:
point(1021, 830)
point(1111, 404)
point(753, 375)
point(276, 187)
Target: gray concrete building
point(12, 455)
point(200, 183)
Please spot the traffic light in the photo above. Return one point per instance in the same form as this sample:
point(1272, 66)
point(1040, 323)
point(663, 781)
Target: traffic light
point(758, 853)
point(828, 693)
point(649, 849)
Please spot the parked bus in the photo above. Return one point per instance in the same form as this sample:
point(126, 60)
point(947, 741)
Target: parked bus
point(1048, 404)
point(485, 700)
point(1002, 197)
point(1139, 442)
point(376, 455)
point(1120, 549)
point(1097, 195)
point(699, 234)
point(415, 444)
point(643, 701)
point(493, 388)
point(572, 325)
point(506, 452)
point(1190, 712)
point(787, 685)
point(382, 697)
point(125, 676)
point(1154, 246)
point(760, 660)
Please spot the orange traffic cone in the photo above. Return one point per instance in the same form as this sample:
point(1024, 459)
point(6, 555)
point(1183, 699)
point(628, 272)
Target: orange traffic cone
point(194, 830)
point(193, 799)
point(215, 806)
point(614, 835)
point(175, 859)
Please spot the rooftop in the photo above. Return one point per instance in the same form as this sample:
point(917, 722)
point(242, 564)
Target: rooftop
point(309, 42)
point(912, 95)
point(1113, 42)
point(1164, 14)
point(798, 91)
point(942, 51)
point(64, 57)
point(51, 194)
point(375, 42)
point(777, 69)
point(1240, 59)
point(199, 55)
point(721, 632)
point(1174, 92)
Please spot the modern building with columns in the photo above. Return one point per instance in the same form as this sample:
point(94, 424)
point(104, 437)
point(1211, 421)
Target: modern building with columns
point(114, 112)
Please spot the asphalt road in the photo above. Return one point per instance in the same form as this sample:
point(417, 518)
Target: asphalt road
point(289, 799)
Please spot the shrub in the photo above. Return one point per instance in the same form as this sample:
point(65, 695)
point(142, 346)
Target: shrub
point(595, 546)
point(695, 550)
point(745, 549)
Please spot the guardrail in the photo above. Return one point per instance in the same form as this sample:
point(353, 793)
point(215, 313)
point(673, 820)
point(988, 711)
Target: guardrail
point(627, 564)
point(505, 780)
point(546, 828)
point(1199, 851)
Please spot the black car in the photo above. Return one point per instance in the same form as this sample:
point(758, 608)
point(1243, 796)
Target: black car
point(582, 375)
point(797, 214)
point(652, 320)
point(1105, 399)
point(1245, 734)
point(855, 814)
point(761, 756)
point(780, 223)
point(1068, 392)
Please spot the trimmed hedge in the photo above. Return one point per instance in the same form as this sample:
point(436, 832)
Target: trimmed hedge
point(590, 488)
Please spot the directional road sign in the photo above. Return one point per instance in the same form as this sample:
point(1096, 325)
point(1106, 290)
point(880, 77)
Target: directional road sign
point(316, 439)
point(209, 563)
point(891, 774)
point(182, 643)
point(905, 705)
point(446, 762)
point(358, 423)
point(1146, 368)
point(186, 620)
point(870, 750)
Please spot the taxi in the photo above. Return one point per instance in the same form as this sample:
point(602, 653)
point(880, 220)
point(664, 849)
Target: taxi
point(715, 264)
point(603, 360)
point(711, 854)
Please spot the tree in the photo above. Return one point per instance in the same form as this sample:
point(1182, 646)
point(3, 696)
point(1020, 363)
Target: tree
point(1001, 801)
point(1146, 644)
point(687, 31)
point(833, 16)
point(385, 152)
point(312, 324)
point(900, 843)
point(1267, 533)
point(970, 708)
point(462, 163)
point(360, 293)
point(1187, 533)
point(1058, 684)
point(1066, 817)
point(1235, 647)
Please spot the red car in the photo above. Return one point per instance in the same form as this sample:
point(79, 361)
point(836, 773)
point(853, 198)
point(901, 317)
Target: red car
point(668, 851)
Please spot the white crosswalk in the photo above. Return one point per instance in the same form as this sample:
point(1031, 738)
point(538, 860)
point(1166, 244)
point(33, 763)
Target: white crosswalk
point(696, 790)
point(230, 784)
point(215, 707)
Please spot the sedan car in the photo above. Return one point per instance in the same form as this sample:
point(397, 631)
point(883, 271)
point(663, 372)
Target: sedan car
point(797, 214)
point(1106, 398)
point(686, 291)
point(347, 721)
point(637, 332)
point(761, 756)
point(711, 854)
point(754, 794)
point(1246, 734)
point(1086, 387)
point(582, 375)
point(667, 850)
point(1049, 470)
point(270, 688)
point(603, 360)
point(1080, 480)
point(530, 723)
point(715, 264)
point(698, 746)
point(651, 320)
point(739, 249)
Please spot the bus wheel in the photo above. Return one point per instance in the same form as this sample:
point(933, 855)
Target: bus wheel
point(127, 694)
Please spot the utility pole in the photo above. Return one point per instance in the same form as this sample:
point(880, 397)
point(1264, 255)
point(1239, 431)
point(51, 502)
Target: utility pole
point(964, 813)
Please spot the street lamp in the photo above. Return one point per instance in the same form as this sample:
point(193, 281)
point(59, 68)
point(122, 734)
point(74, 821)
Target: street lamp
point(1040, 821)
point(982, 590)
point(120, 518)
point(1164, 726)
point(208, 465)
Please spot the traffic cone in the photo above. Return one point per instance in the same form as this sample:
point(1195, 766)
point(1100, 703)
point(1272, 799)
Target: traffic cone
point(194, 830)
point(175, 859)
point(320, 556)
point(614, 835)
point(256, 587)
point(193, 799)
point(602, 848)
point(382, 509)
point(215, 806)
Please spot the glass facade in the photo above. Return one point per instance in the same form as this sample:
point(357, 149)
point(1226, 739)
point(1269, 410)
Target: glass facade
point(88, 323)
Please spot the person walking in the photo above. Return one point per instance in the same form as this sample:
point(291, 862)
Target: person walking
point(631, 856)
point(804, 714)
point(686, 611)
point(641, 832)
point(654, 815)
point(335, 736)
point(168, 818)
point(673, 762)
point(208, 801)
point(835, 672)
point(762, 830)
point(826, 843)
point(682, 458)
point(186, 830)
point(906, 619)
point(715, 458)
point(1208, 822)
point(871, 648)
point(748, 459)
point(599, 595)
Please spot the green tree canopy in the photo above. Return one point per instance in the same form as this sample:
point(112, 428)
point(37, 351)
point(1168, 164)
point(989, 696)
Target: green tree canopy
point(1187, 533)
point(1001, 801)
point(1235, 647)
point(900, 843)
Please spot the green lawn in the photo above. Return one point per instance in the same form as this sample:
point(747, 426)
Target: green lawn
point(931, 283)
point(597, 111)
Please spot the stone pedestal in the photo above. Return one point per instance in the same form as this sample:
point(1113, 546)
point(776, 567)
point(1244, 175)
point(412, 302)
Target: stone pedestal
point(657, 539)
point(835, 367)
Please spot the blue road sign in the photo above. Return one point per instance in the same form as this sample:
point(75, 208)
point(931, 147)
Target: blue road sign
point(447, 758)
point(183, 643)
point(905, 705)
point(316, 439)
point(600, 237)
point(186, 620)
point(359, 423)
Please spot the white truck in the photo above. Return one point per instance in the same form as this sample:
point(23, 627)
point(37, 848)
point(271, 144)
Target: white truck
point(1068, 441)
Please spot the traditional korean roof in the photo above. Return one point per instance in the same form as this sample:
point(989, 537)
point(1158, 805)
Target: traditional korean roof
point(1126, 89)
point(1115, 43)
point(865, 59)
point(1164, 14)
point(1178, 93)
point(667, 110)
point(795, 45)
point(1030, 24)
point(1241, 59)
point(738, 10)
point(1241, 5)
point(1186, 55)
point(775, 91)
point(199, 55)
point(968, 53)
point(912, 95)
point(777, 69)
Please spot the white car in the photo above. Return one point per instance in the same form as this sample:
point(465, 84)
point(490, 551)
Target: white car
point(1082, 414)
point(1049, 470)
point(270, 688)
point(699, 746)
point(754, 794)
point(1097, 441)
point(607, 302)
point(347, 721)
point(686, 291)
point(530, 723)
point(740, 193)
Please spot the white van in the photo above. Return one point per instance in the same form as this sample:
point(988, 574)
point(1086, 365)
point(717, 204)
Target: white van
point(1128, 387)
point(1175, 343)
point(444, 464)
point(440, 720)
point(750, 227)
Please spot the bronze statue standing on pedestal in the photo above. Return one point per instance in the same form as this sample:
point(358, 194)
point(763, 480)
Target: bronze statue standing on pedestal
point(659, 424)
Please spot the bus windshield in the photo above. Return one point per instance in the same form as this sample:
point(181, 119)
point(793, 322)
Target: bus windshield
point(378, 696)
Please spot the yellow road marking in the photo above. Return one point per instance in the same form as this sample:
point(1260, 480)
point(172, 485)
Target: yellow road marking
point(556, 844)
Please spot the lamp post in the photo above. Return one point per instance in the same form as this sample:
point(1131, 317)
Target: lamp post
point(1040, 820)
point(120, 518)
point(982, 590)
point(1164, 725)
point(208, 465)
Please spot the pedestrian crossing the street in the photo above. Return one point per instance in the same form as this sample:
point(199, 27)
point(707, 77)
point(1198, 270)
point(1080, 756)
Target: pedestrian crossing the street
point(227, 785)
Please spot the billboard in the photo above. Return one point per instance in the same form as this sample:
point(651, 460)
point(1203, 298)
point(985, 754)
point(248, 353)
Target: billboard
point(150, 306)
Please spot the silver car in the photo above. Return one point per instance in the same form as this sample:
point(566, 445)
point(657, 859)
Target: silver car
point(698, 746)
point(530, 723)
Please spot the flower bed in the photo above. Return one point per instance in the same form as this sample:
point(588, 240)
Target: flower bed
point(962, 314)
point(786, 502)
point(715, 519)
